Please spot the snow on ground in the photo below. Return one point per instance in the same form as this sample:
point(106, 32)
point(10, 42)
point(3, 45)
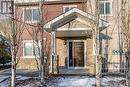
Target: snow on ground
point(69, 81)
point(23, 78)
point(3, 77)
point(85, 81)
point(73, 82)
point(6, 64)
point(9, 63)
point(4, 82)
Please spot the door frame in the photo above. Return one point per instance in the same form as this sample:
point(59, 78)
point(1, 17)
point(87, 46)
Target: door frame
point(73, 53)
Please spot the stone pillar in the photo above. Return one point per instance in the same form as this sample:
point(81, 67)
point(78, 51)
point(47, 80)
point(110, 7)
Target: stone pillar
point(52, 52)
point(53, 68)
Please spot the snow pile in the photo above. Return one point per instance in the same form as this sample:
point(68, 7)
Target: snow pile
point(37, 84)
point(85, 81)
point(3, 78)
point(23, 78)
point(4, 81)
point(72, 82)
point(68, 81)
point(113, 81)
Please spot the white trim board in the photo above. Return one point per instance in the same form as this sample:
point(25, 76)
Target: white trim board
point(72, 14)
point(64, 29)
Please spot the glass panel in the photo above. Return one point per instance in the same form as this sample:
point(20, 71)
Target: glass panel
point(4, 7)
point(66, 9)
point(9, 10)
point(101, 7)
point(27, 15)
point(36, 49)
point(28, 49)
point(79, 54)
point(107, 8)
point(36, 15)
point(70, 54)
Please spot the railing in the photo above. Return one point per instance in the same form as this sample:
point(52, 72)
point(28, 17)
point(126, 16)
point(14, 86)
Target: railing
point(114, 67)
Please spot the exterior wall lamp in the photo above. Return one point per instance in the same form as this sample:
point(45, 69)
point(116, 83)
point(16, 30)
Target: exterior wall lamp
point(65, 42)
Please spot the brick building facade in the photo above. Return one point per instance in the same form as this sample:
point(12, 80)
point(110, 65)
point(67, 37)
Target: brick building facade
point(69, 28)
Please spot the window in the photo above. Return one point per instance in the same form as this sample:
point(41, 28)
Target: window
point(31, 49)
point(28, 49)
point(31, 14)
point(105, 7)
point(69, 7)
point(5, 7)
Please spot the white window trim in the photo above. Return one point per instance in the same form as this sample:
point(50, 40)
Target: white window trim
point(31, 41)
point(111, 10)
point(24, 13)
point(70, 6)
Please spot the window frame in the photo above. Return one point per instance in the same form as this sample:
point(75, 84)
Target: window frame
point(30, 56)
point(69, 6)
point(30, 8)
point(104, 2)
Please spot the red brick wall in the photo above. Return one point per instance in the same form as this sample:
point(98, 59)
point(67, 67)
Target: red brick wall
point(51, 11)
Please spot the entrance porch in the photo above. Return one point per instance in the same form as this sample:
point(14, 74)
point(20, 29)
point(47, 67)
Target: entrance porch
point(75, 55)
point(72, 43)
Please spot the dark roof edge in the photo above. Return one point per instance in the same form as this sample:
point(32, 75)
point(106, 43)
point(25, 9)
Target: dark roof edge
point(51, 2)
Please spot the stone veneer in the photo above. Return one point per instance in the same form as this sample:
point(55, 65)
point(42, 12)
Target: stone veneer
point(27, 63)
point(61, 49)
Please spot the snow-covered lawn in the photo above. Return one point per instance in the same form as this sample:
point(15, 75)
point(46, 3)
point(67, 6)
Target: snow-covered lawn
point(68, 81)
point(4, 82)
point(84, 81)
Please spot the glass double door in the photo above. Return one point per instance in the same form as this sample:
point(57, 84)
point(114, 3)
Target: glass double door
point(76, 54)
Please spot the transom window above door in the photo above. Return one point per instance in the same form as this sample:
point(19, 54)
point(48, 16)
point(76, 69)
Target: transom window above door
point(68, 7)
point(31, 14)
point(105, 7)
